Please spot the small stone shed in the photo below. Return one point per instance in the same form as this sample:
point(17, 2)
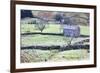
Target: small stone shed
point(71, 30)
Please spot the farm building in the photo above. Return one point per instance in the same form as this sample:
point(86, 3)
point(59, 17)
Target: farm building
point(71, 30)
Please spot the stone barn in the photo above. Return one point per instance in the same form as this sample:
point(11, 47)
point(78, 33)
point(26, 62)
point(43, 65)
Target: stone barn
point(71, 30)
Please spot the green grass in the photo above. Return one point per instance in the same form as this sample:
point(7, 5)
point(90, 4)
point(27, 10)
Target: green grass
point(33, 55)
point(72, 55)
point(84, 30)
point(44, 40)
point(51, 28)
point(48, 40)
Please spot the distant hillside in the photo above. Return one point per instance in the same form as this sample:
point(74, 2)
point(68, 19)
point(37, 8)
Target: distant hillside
point(75, 17)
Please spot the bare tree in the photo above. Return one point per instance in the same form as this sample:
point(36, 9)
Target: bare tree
point(40, 25)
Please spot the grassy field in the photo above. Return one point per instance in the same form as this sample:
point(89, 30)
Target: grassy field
point(51, 28)
point(39, 39)
point(33, 55)
point(48, 40)
point(43, 40)
point(84, 30)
